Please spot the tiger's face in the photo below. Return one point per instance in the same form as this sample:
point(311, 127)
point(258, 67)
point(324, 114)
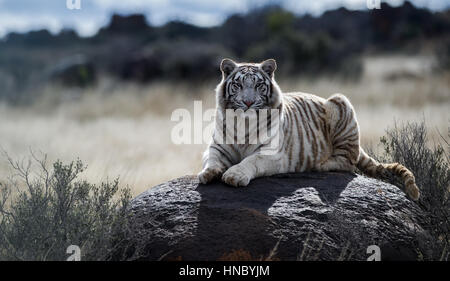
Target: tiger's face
point(248, 86)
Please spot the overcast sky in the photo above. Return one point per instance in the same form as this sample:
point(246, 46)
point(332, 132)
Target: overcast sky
point(25, 15)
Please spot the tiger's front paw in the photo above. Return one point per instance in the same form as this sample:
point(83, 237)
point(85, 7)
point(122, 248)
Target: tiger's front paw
point(236, 176)
point(209, 174)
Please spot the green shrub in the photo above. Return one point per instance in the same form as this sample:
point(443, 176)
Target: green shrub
point(407, 144)
point(41, 216)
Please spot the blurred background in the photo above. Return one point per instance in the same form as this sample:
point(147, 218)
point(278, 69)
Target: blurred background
point(100, 83)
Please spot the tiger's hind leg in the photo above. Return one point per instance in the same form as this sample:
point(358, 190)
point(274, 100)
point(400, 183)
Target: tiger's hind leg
point(343, 135)
point(337, 163)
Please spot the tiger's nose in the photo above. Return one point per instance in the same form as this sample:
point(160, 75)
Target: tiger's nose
point(249, 103)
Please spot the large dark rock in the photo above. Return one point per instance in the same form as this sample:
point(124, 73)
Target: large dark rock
point(309, 216)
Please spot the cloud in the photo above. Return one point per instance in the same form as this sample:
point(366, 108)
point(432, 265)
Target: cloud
point(23, 23)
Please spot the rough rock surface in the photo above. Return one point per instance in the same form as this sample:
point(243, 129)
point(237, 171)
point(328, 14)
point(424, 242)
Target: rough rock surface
point(308, 216)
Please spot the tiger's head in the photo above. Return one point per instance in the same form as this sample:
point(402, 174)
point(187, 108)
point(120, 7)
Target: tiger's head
point(248, 86)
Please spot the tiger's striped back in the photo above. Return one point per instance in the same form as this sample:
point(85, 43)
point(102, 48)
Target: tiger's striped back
point(327, 138)
point(305, 143)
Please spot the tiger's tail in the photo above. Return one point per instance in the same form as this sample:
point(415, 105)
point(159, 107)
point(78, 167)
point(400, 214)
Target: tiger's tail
point(373, 168)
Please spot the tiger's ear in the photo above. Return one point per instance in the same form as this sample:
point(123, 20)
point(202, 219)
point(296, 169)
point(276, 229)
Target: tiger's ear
point(227, 66)
point(269, 66)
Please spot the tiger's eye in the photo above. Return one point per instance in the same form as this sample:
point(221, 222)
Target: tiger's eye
point(261, 87)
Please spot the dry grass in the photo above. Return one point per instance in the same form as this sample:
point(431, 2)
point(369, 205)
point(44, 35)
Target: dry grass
point(124, 130)
point(237, 255)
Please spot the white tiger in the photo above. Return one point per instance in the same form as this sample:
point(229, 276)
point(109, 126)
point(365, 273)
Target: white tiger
point(314, 134)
